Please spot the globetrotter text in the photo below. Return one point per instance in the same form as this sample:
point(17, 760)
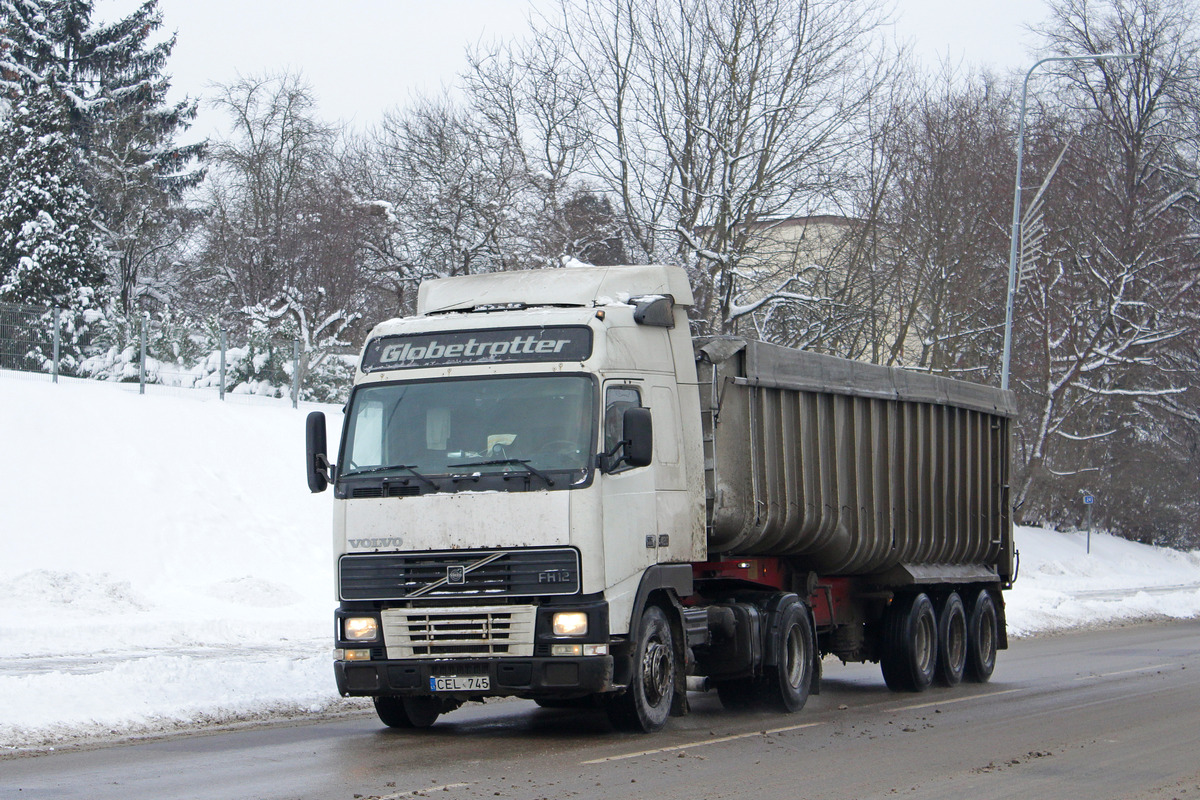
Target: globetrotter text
point(499, 346)
point(471, 349)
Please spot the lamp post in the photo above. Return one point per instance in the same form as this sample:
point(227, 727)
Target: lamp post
point(1016, 218)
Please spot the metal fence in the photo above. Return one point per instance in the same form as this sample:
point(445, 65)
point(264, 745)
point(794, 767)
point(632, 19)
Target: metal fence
point(32, 342)
point(26, 337)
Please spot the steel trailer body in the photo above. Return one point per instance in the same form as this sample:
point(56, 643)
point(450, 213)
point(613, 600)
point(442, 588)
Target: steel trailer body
point(854, 469)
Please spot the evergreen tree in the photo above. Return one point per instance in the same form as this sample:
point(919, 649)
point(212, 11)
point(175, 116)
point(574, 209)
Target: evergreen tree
point(109, 81)
point(49, 253)
point(137, 173)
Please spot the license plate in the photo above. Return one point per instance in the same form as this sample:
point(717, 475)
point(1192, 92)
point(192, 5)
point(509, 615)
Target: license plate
point(465, 683)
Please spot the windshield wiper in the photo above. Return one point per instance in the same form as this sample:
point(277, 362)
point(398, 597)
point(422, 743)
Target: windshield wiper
point(524, 462)
point(389, 467)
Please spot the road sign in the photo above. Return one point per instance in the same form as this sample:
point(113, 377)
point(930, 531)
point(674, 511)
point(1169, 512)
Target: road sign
point(1088, 502)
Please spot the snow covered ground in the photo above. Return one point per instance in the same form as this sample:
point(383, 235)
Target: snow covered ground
point(163, 566)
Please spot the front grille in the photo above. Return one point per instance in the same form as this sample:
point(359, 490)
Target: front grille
point(403, 576)
point(472, 631)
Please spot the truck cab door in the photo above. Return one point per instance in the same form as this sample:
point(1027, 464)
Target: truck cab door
point(628, 498)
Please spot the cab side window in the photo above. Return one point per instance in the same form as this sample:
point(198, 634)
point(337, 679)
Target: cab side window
point(616, 400)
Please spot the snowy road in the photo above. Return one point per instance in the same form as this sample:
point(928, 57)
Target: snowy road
point(1097, 714)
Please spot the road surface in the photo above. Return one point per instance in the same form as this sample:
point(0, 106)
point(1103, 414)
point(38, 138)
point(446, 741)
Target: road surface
point(1099, 714)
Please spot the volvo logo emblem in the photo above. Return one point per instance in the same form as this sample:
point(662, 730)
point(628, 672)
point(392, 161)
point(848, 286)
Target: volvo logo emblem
point(456, 575)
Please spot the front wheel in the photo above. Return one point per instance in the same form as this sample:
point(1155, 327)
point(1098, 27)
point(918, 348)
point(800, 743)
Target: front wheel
point(646, 704)
point(390, 711)
point(587, 701)
point(408, 712)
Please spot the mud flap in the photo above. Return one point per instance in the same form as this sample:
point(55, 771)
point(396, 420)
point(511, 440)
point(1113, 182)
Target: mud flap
point(815, 687)
point(679, 702)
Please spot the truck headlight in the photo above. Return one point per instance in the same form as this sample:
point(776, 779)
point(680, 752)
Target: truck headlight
point(360, 629)
point(570, 623)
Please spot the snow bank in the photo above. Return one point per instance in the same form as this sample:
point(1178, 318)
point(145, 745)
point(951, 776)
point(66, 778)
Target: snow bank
point(164, 567)
point(1060, 585)
point(162, 562)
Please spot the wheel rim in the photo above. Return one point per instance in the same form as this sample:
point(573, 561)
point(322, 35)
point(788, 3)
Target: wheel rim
point(987, 639)
point(795, 658)
point(923, 642)
point(657, 671)
point(956, 647)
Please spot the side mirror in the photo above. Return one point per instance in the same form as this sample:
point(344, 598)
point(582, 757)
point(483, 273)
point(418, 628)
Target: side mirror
point(638, 433)
point(316, 460)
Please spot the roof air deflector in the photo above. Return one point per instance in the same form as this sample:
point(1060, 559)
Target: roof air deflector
point(654, 309)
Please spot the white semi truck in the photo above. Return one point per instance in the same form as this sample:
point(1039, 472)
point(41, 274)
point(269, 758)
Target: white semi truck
point(546, 488)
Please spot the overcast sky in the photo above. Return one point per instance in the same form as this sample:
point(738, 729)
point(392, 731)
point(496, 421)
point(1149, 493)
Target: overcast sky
point(365, 56)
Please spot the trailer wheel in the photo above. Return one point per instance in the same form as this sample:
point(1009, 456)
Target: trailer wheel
point(982, 635)
point(952, 641)
point(910, 647)
point(785, 686)
point(646, 704)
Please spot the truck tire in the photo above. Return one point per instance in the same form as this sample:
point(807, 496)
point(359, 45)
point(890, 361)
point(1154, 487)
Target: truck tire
point(587, 701)
point(391, 712)
point(952, 641)
point(909, 644)
point(408, 712)
point(423, 711)
point(737, 694)
point(982, 635)
point(785, 686)
point(645, 705)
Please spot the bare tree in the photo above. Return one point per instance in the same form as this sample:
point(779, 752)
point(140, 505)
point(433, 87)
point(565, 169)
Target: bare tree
point(1105, 323)
point(531, 101)
point(451, 188)
point(281, 239)
point(711, 115)
point(261, 175)
point(946, 211)
point(915, 275)
point(858, 280)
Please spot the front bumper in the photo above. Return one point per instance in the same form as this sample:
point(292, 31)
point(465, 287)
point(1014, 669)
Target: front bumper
point(516, 677)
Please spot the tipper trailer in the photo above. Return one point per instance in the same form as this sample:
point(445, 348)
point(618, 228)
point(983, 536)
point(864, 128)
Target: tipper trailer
point(546, 488)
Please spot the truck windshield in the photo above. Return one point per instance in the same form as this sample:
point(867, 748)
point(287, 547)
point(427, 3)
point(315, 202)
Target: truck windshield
point(534, 425)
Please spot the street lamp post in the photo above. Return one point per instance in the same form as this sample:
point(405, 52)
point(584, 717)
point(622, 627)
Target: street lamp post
point(1014, 244)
